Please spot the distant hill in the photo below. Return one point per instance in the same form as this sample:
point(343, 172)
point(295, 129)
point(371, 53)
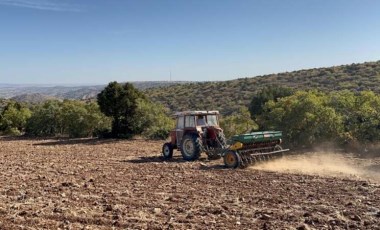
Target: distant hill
point(227, 96)
point(33, 98)
point(68, 92)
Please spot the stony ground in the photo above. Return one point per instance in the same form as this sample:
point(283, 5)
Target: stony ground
point(92, 184)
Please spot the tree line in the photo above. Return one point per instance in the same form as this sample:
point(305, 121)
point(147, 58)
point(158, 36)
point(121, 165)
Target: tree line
point(305, 117)
point(312, 117)
point(120, 111)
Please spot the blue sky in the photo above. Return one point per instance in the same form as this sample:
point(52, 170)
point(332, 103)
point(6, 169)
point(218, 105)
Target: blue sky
point(98, 41)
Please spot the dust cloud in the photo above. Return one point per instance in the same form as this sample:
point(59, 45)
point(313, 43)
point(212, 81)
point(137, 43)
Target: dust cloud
point(325, 164)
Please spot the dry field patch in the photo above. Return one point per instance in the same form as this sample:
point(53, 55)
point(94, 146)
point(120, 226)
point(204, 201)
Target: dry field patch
point(125, 184)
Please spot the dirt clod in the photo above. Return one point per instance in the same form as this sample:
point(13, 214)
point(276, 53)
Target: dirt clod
point(303, 227)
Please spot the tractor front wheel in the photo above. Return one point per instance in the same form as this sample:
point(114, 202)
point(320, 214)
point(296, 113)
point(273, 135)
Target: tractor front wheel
point(190, 147)
point(167, 151)
point(232, 159)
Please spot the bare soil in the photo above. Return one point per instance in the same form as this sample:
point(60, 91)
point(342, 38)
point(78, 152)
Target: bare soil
point(105, 184)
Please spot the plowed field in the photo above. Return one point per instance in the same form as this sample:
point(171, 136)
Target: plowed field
point(105, 184)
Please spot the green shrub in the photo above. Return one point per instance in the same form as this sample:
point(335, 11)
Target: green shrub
point(153, 121)
point(305, 118)
point(238, 123)
point(14, 118)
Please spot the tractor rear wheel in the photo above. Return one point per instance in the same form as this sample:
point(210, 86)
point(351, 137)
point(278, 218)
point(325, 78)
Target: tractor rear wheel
point(190, 147)
point(167, 151)
point(232, 159)
point(222, 139)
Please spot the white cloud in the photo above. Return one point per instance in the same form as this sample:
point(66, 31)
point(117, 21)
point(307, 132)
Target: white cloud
point(51, 5)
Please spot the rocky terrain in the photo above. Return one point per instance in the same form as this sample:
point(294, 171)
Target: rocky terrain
point(120, 184)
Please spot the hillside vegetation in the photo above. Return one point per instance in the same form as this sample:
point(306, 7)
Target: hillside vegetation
point(306, 118)
point(34, 98)
point(225, 96)
point(228, 96)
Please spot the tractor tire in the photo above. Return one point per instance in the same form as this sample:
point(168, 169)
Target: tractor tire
point(190, 147)
point(167, 151)
point(232, 159)
point(222, 139)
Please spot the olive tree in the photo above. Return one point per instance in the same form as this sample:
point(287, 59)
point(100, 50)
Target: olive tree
point(154, 123)
point(305, 118)
point(237, 123)
point(46, 119)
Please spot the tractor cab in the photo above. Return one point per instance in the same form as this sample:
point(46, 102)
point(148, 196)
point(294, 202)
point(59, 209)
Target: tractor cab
point(199, 128)
point(196, 122)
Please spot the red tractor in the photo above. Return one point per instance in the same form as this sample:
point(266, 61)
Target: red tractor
point(196, 132)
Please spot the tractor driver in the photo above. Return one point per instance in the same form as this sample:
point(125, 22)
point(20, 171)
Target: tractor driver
point(201, 121)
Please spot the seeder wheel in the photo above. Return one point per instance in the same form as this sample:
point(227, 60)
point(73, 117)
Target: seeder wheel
point(232, 159)
point(278, 148)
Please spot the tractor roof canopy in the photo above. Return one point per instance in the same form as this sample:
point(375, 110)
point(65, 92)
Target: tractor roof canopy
point(184, 113)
